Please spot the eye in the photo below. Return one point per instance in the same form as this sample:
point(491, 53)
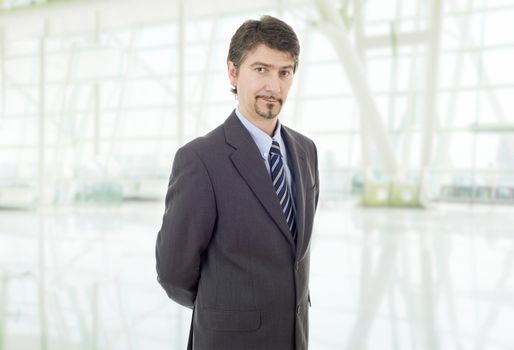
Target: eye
point(260, 69)
point(285, 73)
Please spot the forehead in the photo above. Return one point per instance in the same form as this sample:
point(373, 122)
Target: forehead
point(267, 55)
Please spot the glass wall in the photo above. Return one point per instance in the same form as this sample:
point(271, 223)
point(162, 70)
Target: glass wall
point(105, 104)
point(93, 116)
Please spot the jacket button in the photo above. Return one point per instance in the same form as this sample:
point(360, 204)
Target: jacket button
point(298, 310)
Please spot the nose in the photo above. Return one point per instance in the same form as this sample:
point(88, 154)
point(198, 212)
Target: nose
point(273, 84)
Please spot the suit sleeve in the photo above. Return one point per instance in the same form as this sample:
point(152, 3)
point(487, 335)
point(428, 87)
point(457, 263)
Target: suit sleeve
point(187, 226)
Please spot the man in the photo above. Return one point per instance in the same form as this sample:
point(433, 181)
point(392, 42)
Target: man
point(235, 237)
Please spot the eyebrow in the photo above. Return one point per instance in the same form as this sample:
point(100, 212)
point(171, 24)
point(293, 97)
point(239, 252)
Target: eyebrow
point(267, 65)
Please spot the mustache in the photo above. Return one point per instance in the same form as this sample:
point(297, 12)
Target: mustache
point(269, 97)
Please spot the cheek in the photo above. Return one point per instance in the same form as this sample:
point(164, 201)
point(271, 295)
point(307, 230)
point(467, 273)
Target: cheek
point(254, 90)
point(285, 90)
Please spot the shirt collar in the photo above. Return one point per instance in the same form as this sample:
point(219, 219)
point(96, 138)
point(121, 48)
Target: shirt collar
point(261, 139)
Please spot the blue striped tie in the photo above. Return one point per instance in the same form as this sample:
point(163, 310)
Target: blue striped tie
point(278, 176)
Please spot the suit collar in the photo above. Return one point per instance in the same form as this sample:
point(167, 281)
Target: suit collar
point(248, 161)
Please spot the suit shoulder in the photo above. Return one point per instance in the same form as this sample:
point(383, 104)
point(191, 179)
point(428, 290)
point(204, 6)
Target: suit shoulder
point(301, 138)
point(207, 143)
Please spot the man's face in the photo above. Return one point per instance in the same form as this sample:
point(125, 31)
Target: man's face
point(262, 81)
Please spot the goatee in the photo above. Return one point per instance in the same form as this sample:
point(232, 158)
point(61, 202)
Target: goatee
point(268, 113)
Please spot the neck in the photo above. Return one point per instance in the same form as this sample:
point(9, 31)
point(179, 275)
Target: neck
point(264, 124)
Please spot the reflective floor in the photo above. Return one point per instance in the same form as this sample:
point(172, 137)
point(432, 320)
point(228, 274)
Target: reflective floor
point(83, 278)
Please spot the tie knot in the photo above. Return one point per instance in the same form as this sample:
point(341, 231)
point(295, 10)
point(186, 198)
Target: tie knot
point(275, 148)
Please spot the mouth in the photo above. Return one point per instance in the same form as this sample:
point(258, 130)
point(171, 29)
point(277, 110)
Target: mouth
point(269, 99)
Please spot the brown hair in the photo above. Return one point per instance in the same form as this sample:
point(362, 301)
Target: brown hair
point(270, 31)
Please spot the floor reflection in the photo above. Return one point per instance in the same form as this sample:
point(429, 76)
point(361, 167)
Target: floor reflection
point(413, 279)
point(83, 278)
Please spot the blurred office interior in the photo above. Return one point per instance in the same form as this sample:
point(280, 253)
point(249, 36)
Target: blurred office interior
point(410, 103)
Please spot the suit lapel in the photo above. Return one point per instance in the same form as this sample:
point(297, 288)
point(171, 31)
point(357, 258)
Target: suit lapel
point(248, 161)
point(296, 156)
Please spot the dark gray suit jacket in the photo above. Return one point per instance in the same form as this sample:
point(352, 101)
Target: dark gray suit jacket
point(224, 248)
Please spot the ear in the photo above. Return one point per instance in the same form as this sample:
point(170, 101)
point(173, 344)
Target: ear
point(232, 73)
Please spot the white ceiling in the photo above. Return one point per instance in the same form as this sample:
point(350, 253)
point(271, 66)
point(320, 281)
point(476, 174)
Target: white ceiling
point(78, 16)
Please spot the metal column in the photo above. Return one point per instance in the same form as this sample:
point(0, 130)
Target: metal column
point(430, 115)
point(181, 74)
point(335, 30)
